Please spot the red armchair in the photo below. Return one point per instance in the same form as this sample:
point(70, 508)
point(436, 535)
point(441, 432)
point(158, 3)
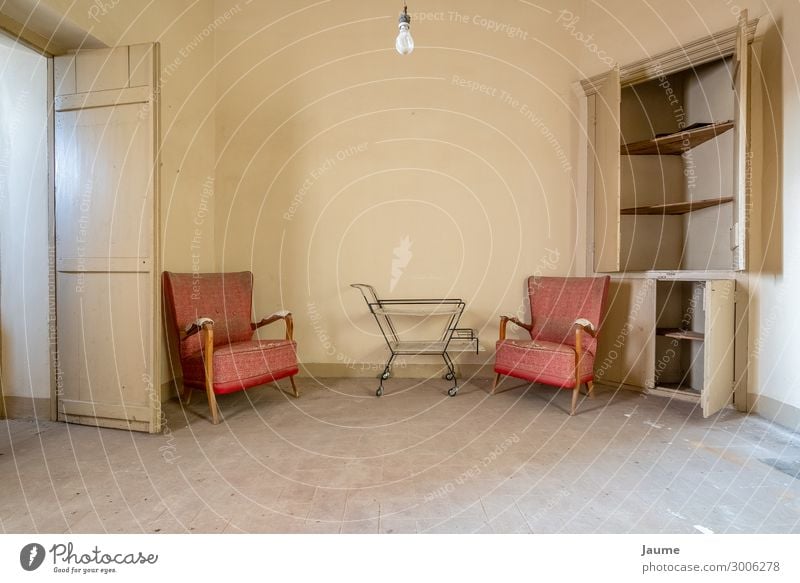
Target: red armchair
point(566, 313)
point(211, 315)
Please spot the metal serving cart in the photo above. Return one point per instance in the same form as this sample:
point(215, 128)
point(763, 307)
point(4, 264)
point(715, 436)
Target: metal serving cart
point(449, 309)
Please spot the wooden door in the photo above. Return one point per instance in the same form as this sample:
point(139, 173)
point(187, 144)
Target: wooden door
point(741, 81)
point(626, 346)
point(719, 306)
point(605, 152)
point(106, 180)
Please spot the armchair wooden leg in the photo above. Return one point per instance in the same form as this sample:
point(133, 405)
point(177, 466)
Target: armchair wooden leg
point(494, 384)
point(578, 356)
point(208, 361)
point(186, 395)
point(590, 384)
point(575, 392)
point(294, 387)
point(212, 403)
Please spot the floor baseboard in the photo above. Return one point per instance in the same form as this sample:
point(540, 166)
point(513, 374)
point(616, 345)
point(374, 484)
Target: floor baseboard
point(27, 408)
point(776, 411)
point(400, 370)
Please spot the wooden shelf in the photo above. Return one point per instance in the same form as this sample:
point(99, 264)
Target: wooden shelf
point(680, 334)
point(676, 208)
point(683, 388)
point(676, 390)
point(677, 143)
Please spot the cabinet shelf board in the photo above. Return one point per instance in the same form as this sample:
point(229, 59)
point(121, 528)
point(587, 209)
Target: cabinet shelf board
point(675, 391)
point(681, 334)
point(677, 143)
point(676, 208)
point(682, 387)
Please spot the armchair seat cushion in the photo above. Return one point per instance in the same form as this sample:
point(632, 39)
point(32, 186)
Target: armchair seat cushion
point(542, 361)
point(239, 365)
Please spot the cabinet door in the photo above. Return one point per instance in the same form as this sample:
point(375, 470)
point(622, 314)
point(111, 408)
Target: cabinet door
point(626, 345)
point(741, 80)
point(106, 180)
point(605, 153)
point(719, 307)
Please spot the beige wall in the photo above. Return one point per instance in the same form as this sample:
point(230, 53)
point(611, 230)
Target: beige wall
point(775, 380)
point(23, 224)
point(333, 150)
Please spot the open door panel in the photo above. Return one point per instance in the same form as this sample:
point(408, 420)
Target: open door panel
point(719, 305)
point(741, 83)
point(626, 348)
point(106, 185)
point(605, 154)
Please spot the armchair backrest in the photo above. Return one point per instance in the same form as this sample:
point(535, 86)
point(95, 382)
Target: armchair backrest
point(226, 298)
point(556, 302)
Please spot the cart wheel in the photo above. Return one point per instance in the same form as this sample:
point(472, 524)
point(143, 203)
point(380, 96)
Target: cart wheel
point(386, 375)
point(452, 391)
point(379, 392)
point(449, 376)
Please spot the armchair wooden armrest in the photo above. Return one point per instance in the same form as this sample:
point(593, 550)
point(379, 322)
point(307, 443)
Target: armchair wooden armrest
point(284, 315)
point(196, 326)
point(584, 325)
point(504, 320)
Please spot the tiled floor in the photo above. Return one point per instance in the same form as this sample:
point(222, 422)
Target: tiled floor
point(340, 460)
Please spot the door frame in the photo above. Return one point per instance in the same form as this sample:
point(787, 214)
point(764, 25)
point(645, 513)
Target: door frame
point(52, 323)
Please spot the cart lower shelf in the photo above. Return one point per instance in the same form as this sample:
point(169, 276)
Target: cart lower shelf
point(425, 348)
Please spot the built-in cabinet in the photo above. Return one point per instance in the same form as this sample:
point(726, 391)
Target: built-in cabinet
point(668, 203)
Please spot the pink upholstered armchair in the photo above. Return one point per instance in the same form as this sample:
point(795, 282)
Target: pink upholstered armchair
point(211, 313)
point(566, 313)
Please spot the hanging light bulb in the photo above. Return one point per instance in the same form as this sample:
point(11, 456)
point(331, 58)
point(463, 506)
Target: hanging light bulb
point(404, 43)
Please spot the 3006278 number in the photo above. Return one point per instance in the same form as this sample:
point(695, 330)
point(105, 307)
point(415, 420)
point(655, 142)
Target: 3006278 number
point(754, 566)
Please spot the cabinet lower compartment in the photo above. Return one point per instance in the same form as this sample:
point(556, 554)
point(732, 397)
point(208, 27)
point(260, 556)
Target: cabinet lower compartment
point(671, 338)
point(680, 335)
